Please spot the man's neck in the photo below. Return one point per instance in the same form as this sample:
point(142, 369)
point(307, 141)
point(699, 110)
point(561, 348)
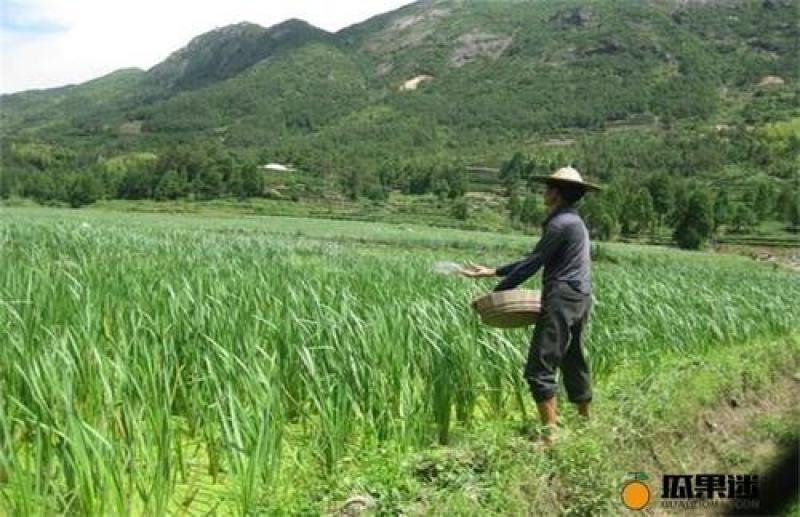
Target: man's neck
point(556, 207)
point(553, 211)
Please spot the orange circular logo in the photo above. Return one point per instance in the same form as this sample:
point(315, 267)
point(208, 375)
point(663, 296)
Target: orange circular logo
point(635, 495)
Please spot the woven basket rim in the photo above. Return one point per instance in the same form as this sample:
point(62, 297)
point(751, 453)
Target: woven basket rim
point(499, 299)
point(508, 309)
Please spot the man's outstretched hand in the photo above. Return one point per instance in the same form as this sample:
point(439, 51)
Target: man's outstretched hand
point(475, 271)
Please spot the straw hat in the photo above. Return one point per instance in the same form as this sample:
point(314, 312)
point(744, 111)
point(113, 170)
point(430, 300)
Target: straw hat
point(506, 309)
point(569, 176)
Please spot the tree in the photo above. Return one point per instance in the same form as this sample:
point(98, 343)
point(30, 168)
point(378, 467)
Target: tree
point(234, 183)
point(788, 206)
point(762, 200)
point(252, 180)
point(646, 212)
point(84, 189)
point(637, 212)
point(696, 222)
point(208, 183)
point(352, 183)
point(388, 174)
point(512, 173)
point(792, 213)
point(599, 219)
point(376, 192)
point(172, 185)
point(9, 182)
point(39, 185)
point(722, 209)
point(514, 207)
point(137, 183)
point(419, 179)
point(744, 218)
point(440, 187)
point(533, 210)
point(662, 193)
point(680, 202)
point(460, 209)
point(456, 181)
point(191, 160)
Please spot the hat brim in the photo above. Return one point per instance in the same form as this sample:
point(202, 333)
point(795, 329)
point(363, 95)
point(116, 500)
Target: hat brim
point(550, 179)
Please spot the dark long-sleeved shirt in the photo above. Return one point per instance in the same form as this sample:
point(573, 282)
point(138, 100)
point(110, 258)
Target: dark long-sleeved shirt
point(563, 250)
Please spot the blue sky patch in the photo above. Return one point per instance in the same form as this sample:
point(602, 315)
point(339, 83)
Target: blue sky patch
point(22, 18)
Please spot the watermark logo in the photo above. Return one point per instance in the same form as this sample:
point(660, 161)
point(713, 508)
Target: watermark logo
point(693, 491)
point(708, 490)
point(636, 494)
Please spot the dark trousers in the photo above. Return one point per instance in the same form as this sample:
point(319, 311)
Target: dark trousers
point(558, 343)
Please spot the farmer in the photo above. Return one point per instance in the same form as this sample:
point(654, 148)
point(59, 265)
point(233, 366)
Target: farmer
point(557, 339)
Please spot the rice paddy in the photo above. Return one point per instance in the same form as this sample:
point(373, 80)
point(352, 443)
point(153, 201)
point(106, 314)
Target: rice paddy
point(146, 357)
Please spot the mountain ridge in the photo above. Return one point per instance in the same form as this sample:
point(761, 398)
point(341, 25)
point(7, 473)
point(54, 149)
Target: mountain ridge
point(481, 72)
point(226, 51)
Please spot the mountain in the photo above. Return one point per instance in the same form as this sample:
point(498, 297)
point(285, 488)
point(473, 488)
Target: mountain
point(223, 53)
point(438, 79)
point(103, 105)
point(78, 109)
point(296, 92)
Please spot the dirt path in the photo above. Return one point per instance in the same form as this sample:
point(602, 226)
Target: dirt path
point(744, 435)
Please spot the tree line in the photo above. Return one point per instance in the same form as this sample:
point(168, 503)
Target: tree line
point(197, 171)
point(691, 209)
point(686, 183)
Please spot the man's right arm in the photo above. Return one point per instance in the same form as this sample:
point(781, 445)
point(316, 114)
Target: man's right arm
point(517, 272)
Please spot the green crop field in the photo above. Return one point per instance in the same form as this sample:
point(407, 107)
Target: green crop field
point(198, 365)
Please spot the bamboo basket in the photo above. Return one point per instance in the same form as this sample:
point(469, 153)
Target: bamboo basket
point(509, 309)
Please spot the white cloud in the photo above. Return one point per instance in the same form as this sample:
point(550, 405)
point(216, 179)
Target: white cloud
point(48, 43)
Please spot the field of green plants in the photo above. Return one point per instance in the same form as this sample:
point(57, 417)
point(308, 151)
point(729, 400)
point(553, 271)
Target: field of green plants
point(154, 363)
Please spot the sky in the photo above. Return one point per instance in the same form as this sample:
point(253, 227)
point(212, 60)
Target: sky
point(49, 43)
